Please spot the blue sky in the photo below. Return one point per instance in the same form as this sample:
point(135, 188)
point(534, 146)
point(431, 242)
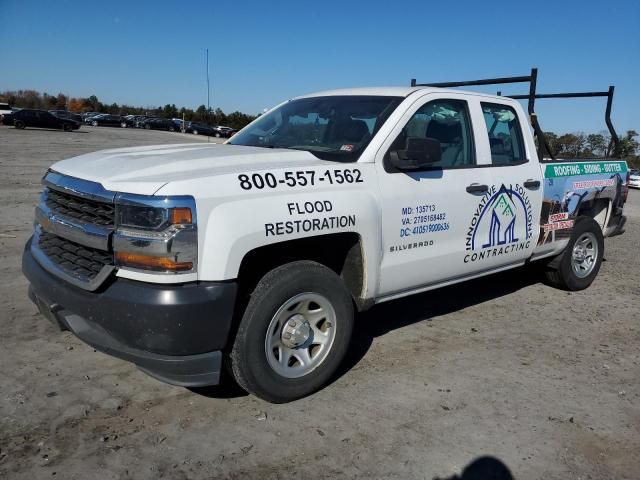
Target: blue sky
point(152, 52)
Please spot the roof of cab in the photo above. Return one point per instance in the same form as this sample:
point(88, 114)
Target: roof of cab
point(390, 92)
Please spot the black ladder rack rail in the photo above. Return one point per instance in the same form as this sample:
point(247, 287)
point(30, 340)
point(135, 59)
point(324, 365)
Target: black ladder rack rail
point(614, 145)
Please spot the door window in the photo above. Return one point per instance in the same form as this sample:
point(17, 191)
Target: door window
point(505, 135)
point(446, 121)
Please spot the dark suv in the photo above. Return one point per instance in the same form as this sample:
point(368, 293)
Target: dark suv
point(108, 121)
point(162, 124)
point(42, 119)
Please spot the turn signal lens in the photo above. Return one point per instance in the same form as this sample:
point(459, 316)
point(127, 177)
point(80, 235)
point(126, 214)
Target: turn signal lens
point(180, 216)
point(149, 262)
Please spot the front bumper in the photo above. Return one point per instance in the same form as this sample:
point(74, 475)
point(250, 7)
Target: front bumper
point(175, 333)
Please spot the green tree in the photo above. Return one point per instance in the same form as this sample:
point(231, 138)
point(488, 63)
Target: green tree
point(596, 144)
point(629, 145)
point(169, 111)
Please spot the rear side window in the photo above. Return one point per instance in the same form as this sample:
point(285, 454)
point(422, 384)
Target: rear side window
point(505, 135)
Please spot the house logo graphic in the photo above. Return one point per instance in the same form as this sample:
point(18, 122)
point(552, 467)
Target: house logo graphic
point(501, 223)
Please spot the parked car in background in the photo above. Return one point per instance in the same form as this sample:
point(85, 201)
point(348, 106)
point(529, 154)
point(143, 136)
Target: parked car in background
point(42, 119)
point(67, 114)
point(130, 120)
point(634, 179)
point(224, 132)
point(5, 109)
point(162, 124)
point(200, 129)
point(7, 119)
point(108, 120)
point(138, 120)
point(86, 115)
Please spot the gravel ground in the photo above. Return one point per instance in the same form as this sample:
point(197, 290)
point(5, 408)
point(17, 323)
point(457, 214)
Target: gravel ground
point(544, 381)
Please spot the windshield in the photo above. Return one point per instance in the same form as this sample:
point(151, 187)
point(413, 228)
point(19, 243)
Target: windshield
point(332, 128)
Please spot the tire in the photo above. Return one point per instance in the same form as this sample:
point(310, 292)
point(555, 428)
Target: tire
point(19, 124)
point(278, 303)
point(147, 127)
point(195, 132)
point(172, 129)
point(577, 267)
point(66, 127)
point(123, 124)
point(94, 123)
point(217, 135)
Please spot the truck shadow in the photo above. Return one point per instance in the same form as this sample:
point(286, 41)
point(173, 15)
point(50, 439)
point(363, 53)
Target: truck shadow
point(400, 313)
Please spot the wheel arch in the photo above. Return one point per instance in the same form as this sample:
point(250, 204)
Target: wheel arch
point(598, 209)
point(342, 252)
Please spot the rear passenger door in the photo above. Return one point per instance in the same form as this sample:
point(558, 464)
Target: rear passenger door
point(504, 227)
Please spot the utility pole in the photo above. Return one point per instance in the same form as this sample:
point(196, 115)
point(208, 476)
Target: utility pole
point(208, 105)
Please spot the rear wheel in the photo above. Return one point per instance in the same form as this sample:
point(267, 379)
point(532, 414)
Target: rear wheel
point(148, 127)
point(217, 134)
point(123, 124)
point(195, 132)
point(294, 332)
point(577, 267)
point(19, 124)
point(94, 123)
point(66, 127)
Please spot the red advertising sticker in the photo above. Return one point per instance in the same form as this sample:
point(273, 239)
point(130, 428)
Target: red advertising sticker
point(558, 217)
point(558, 226)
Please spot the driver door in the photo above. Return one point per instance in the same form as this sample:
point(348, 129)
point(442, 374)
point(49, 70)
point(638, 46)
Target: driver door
point(426, 211)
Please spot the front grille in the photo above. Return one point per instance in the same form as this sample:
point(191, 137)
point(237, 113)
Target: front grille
point(79, 208)
point(74, 259)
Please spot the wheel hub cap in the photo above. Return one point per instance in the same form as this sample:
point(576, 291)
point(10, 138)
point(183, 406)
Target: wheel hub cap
point(296, 331)
point(584, 255)
point(300, 335)
point(579, 254)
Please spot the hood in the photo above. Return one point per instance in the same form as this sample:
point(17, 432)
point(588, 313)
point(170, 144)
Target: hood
point(145, 170)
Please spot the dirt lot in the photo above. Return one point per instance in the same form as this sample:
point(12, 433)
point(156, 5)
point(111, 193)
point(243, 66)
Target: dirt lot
point(545, 381)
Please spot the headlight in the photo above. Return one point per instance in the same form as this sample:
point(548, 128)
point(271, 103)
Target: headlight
point(156, 234)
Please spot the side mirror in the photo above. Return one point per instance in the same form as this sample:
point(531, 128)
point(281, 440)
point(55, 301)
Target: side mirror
point(419, 153)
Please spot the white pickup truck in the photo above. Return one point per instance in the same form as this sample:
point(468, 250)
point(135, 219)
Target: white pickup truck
point(256, 253)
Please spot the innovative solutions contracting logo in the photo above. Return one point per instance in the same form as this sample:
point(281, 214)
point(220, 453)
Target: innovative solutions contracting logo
point(497, 224)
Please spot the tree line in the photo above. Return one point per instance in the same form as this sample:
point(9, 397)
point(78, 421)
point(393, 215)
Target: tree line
point(582, 145)
point(45, 101)
point(568, 145)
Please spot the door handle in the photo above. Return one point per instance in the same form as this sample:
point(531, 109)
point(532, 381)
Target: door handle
point(532, 184)
point(477, 188)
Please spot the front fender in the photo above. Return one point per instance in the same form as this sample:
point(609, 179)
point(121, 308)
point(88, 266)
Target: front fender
point(234, 228)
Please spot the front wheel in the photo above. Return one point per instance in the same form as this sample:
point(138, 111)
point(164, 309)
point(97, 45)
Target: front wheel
point(123, 124)
point(195, 132)
point(294, 333)
point(94, 123)
point(217, 135)
point(66, 127)
point(19, 124)
point(576, 268)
